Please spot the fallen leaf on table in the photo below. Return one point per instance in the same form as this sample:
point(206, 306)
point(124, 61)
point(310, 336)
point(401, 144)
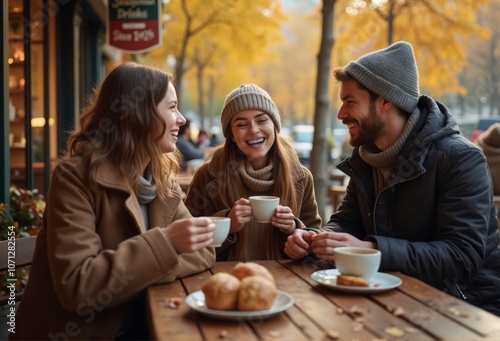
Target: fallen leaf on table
point(411, 330)
point(394, 331)
point(223, 334)
point(355, 310)
point(173, 303)
point(398, 312)
point(332, 334)
point(275, 334)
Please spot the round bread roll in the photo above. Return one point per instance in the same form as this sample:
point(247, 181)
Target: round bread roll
point(221, 291)
point(242, 270)
point(256, 293)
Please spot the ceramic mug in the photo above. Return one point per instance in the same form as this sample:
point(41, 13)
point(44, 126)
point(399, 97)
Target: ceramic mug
point(263, 207)
point(357, 261)
point(221, 230)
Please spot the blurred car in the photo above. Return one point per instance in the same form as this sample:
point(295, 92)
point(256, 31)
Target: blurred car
point(341, 147)
point(482, 126)
point(302, 136)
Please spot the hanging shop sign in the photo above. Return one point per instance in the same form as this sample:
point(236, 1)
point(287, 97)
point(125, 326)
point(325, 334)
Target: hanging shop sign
point(134, 26)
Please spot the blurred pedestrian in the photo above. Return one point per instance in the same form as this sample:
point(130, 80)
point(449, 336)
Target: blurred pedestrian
point(191, 153)
point(203, 140)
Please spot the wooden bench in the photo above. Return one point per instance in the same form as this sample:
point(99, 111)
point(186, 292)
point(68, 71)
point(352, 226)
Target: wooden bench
point(336, 193)
point(24, 249)
point(496, 200)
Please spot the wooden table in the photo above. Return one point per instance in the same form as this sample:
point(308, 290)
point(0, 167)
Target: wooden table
point(415, 309)
point(184, 180)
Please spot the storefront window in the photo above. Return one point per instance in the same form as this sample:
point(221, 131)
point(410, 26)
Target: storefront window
point(26, 93)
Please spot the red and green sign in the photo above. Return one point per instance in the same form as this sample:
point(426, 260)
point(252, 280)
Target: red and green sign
point(134, 26)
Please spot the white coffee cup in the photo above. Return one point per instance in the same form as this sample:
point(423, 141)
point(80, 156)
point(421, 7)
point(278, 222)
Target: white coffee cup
point(263, 207)
point(357, 261)
point(222, 225)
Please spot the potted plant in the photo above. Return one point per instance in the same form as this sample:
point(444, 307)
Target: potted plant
point(25, 215)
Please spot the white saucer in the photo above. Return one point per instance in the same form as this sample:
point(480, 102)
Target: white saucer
point(196, 301)
point(380, 282)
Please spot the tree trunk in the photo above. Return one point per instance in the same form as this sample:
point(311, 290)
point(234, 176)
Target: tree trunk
point(319, 151)
point(494, 81)
point(201, 95)
point(390, 23)
point(211, 96)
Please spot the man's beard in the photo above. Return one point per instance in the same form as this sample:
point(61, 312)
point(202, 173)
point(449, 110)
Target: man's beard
point(369, 128)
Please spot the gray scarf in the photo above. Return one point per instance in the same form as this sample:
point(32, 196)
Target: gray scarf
point(384, 162)
point(146, 189)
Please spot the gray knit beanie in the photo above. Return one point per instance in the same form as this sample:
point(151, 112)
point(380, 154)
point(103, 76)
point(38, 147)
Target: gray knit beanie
point(248, 97)
point(391, 73)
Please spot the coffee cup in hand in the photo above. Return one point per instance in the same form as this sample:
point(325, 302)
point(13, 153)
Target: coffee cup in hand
point(263, 207)
point(357, 261)
point(222, 225)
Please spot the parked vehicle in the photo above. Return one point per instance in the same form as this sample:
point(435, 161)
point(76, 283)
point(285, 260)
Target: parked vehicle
point(341, 147)
point(302, 136)
point(482, 126)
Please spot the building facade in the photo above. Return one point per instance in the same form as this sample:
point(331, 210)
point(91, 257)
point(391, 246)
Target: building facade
point(54, 53)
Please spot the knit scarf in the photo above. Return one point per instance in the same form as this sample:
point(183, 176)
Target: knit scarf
point(257, 180)
point(146, 189)
point(384, 162)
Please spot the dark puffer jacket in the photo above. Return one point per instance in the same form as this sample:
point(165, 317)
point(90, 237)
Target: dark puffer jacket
point(436, 219)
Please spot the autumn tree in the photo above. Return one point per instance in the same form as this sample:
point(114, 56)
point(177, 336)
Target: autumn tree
point(440, 32)
point(318, 155)
point(291, 76)
point(211, 35)
point(482, 76)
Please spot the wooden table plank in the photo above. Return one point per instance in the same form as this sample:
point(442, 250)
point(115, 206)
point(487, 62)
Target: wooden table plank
point(312, 302)
point(377, 319)
point(423, 317)
point(474, 318)
point(424, 313)
point(181, 324)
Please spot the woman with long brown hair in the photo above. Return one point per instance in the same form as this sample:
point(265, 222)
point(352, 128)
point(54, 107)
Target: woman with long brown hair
point(114, 222)
point(254, 160)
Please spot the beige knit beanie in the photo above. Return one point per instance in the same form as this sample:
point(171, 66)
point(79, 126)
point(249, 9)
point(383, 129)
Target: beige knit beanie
point(248, 97)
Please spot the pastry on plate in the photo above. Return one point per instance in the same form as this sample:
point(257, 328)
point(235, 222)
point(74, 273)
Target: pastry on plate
point(354, 281)
point(242, 270)
point(221, 291)
point(256, 293)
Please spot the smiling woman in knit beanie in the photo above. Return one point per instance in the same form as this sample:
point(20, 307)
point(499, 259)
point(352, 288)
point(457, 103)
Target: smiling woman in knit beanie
point(419, 191)
point(254, 160)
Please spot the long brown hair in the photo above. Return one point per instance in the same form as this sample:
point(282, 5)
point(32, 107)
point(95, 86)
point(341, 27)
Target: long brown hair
point(283, 157)
point(120, 125)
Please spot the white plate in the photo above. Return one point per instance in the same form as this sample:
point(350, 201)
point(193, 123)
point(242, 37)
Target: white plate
point(380, 282)
point(196, 301)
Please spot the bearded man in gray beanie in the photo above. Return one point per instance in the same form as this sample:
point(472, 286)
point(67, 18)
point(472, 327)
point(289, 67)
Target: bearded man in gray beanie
point(419, 191)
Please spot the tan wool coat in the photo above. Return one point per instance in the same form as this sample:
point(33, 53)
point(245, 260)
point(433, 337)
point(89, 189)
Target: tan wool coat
point(94, 255)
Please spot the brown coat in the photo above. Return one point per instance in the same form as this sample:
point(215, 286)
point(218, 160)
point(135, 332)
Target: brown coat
point(94, 255)
point(203, 199)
